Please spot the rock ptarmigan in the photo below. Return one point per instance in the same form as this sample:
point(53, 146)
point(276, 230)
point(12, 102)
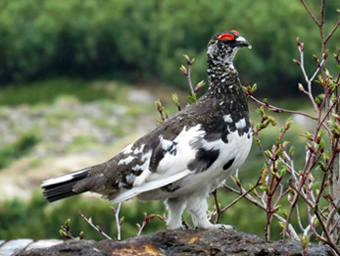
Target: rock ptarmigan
point(187, 156)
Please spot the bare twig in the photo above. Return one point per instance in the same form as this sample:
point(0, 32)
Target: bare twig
point(332, 31)
point(187, 72)
point(310, 13)
point(146, 221)
point(66, 232)
point(217, 206)
point(118, 221)
point(243, 194)
point(281, 110)
point(97, 228)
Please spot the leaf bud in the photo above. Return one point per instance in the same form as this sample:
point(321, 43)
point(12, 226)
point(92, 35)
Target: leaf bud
point(301, 88)
point(297, 62)
point(184, 70)
point(302, 47)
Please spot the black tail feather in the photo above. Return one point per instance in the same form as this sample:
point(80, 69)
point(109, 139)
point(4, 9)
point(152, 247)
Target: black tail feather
point(62, 187)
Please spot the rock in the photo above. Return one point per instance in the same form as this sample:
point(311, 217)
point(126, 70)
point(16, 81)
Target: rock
point(43, 243)
point(25, 244)
point(182, 242)
point(8, 248)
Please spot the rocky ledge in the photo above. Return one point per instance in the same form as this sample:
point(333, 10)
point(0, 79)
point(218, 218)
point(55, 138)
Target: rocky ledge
point(182, 242)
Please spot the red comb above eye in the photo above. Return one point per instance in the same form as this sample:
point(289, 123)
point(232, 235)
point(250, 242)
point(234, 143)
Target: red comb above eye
point(235, 32)
point(226, 37)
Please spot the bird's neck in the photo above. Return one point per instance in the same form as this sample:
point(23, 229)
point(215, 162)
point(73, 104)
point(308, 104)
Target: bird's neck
point(223, 80)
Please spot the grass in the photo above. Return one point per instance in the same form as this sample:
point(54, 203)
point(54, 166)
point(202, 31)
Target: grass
point(46, 91)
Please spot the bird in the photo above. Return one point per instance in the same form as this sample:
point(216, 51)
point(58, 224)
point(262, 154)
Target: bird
point(187, 156)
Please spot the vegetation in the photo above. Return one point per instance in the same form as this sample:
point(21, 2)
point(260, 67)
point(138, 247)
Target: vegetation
point(47, 90)
point(146, 39)
point(17, 149)
point(37, 219)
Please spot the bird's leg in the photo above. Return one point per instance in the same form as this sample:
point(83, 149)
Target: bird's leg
point(175, 207)
point(198, 209)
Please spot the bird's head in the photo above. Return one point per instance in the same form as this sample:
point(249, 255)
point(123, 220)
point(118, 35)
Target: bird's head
point(223, 47)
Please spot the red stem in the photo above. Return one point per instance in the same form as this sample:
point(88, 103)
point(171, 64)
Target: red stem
point(310, 13)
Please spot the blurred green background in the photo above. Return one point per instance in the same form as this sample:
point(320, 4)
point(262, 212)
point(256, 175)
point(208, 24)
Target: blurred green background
point(68, 73)
point(136, 40)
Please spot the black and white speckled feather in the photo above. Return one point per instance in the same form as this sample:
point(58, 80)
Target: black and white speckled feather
point(184, 158)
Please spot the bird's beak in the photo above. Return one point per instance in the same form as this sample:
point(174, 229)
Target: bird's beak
point(243, 42)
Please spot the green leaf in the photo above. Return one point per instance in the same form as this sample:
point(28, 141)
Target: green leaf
point(67, 223)
point(268, 153)
point(282, 224)
point(265, 188)
point(258, 141)
point(62, 233)
point(277, 208)
point(304, 241)
point(284, 213)
point(283, 171)
point(317, 100)
point(285, 143)
point(236, 178)
point(192, 98)
point(254, 88)
point(322, 145)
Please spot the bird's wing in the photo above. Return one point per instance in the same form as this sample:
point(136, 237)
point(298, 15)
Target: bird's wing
point(148, 186)
point(153, 163)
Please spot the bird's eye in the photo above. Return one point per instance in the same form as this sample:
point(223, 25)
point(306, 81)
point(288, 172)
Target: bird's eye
point(228, 37)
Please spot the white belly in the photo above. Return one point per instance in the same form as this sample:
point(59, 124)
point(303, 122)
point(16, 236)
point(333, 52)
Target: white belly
point(206, 181)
